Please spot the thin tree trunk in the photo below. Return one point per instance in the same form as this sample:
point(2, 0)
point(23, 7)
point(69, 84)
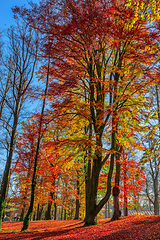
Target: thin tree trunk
point(105, 211)
point(65, 214)
point(5, 180)
point(22, 213)
point(40, 212)
point(87, 169)
point(72, 211)
point(37, 217)
point(3, 99)
point(125, 192)
point(21, 76)
point(108, 209)
point(116, 190)
point(61, 214)
point(55, 211)
point(77, 199)
point(28, 216)
point(156, 202)
point(4, 213)
point(125, 207)
point(34, 216)
point(156, 197)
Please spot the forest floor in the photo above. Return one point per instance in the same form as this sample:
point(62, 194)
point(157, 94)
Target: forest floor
point(127, 228)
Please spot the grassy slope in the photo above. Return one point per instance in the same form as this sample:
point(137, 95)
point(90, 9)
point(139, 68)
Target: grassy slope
point(132, 227)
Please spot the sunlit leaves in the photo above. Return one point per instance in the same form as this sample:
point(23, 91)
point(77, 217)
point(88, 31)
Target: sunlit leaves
point(146, 10)
point(139, 73)
point(129, 227)
point(101, 70)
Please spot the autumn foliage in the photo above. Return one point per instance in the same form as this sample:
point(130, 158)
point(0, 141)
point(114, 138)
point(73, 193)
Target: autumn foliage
point(103, 57)
point(98, 61)
point(132, 227)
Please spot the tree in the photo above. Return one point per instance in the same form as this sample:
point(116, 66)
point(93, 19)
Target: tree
point(20, 73)
point(99, 71)
point(23, 164)
point(150, 157)
point(132, 180)
point(40, 130)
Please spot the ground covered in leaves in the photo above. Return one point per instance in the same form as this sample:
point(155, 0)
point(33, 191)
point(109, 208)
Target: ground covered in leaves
point(132, 227)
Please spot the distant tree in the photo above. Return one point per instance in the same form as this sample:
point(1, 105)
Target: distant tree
point(22, 60)
point(151, 156)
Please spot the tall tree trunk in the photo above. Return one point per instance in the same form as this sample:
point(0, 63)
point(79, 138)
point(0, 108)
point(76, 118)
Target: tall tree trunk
point(125, 207)
point(156, 201)
point(34, 216)
point(65, 214)
point(77, 199)
point(116, 191)
point(156, 197)
point(72, 211)
point(105, 211)
point(125, 192)
point(49, 207)
point(21, 69)
point(61, 216)
point(22, 212)
point(156, 206)
point(39, 211)
point(4, 213)
point(108, 209)
point(48, 214)
point(92, 208)
point(3, 99)
point(87, 168)
point(117, 212)
point(28, 216)
point(55, 211)
point(91, 214)
point(6, 175)
point(98, 121)
point(48, 211)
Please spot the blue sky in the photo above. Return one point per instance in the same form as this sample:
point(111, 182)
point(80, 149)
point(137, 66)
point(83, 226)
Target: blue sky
point(6, 15)
point(6, 20)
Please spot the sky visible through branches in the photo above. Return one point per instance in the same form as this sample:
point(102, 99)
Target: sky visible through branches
point(6, 15)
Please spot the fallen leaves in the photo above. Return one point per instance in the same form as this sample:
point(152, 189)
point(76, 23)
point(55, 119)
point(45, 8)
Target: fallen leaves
point(132, 227)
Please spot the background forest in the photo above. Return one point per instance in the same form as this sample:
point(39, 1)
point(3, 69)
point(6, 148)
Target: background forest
point(79, 110)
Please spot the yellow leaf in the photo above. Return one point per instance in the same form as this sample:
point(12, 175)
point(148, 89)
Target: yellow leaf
point(147, 48)
point(139, 73)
